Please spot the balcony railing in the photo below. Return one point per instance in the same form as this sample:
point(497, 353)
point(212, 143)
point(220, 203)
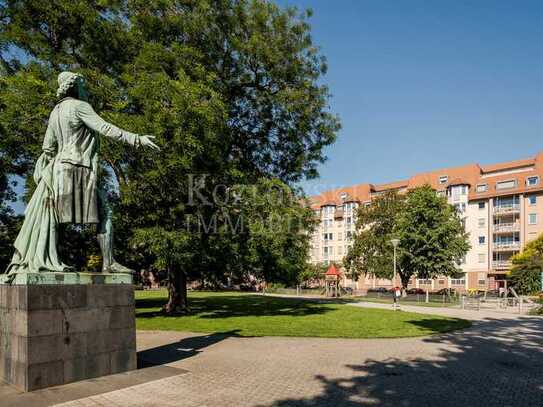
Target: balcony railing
point(506, 245)
point(501, 264)
point(506, 227)
point(506, 208)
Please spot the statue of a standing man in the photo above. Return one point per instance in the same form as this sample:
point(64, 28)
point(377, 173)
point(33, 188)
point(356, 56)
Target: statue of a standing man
point(66, 174)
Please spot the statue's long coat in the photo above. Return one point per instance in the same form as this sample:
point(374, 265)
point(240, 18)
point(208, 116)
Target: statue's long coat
point(66, 175)
point(73, 136)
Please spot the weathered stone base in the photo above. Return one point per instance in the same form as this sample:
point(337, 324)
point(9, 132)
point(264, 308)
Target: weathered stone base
point(57, 334)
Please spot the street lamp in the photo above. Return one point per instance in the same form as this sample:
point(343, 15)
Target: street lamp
point(395, 243)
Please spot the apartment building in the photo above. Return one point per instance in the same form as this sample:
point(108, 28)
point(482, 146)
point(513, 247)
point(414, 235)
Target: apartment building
point(501, 207)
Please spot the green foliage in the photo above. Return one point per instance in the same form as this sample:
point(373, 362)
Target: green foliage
point(232, 90)
point(372, 252)
point(526, 280)
point(525, 274)
point(432, 238)
point(312, 273)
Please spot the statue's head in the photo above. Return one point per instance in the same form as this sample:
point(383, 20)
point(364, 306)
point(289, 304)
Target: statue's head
point(71, 84)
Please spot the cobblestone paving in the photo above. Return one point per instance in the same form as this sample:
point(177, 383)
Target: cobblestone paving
point(497, 362)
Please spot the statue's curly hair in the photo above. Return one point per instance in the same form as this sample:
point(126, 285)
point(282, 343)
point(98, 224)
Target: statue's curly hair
point(66, 80)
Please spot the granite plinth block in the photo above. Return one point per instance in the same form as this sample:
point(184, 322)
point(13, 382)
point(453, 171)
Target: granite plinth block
point(56, 334)
point(65, 278)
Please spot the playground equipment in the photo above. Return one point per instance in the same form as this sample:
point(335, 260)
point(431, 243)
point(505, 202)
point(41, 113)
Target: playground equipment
point(332, 280)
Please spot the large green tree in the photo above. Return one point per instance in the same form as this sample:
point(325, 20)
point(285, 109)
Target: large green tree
point(432, 238)
point(231, 89)
point(376, 224)
point(433, 241)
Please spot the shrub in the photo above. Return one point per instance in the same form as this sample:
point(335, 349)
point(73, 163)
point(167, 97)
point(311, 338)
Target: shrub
point(526, 281)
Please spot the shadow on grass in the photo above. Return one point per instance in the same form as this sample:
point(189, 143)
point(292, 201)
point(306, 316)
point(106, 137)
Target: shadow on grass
point(441, 325)
point(496, 362)
point(225, 306)
point(179, 350)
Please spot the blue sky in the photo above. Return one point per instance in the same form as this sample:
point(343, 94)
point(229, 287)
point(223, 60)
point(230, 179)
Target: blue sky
point(422, 85)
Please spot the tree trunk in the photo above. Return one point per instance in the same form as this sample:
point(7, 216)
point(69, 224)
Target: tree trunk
point(405, 283)
point(177, 294)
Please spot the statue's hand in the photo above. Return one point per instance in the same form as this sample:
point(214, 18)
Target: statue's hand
point(147, 141)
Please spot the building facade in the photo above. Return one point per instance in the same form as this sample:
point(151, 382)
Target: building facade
point(501, 207)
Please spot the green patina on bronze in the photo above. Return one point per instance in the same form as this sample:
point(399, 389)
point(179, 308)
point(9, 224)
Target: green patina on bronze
point(68, 191)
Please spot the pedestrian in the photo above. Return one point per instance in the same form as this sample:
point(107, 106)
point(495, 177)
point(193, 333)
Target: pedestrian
point(397, 294)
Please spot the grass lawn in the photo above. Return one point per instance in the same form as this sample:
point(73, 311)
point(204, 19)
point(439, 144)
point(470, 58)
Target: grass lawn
point(255, 315)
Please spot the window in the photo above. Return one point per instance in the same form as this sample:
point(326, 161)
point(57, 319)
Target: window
point(481, 281)
point(340, 236)
point(482, 222)
point(482, 188)
point(482, 205)
point(464, 190)
point(425, 281)
point(532, 199)
point(532, 219)
point(329, 210)
point(460, 208)
point(443, 179)
point(482, 258)
point(481, 240)
point(328, 236)
point(349, 235)
point(532, 181)
point(340, 250)
point(506, 184)
point(458, 281)
point(349, 206)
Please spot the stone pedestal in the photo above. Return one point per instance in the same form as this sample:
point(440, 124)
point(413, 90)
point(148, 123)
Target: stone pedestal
point(76, 326)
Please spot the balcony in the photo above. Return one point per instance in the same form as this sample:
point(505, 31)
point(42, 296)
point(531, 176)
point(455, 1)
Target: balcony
point(506, 246)
point(501, 264)
point(506, 208)
point(506, 227)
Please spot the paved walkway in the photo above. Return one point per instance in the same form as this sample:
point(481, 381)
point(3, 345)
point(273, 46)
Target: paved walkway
point(497, 362)
point(469, 314)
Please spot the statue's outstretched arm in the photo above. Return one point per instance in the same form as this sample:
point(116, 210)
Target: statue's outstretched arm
point(91, 119)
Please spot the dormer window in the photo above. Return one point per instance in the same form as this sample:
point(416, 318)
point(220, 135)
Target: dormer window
point(506, 184)
point(443, 179)
point(343, 196)
point(532, 181)
point(482, 188)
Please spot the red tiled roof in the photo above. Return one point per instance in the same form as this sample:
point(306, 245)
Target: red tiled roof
point(470, 174)
point(332, 271)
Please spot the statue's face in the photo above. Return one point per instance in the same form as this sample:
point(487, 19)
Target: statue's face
point(82, 90)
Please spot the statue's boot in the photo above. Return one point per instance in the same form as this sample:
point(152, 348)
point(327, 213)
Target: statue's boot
point(119, 268)
point(109, 265)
